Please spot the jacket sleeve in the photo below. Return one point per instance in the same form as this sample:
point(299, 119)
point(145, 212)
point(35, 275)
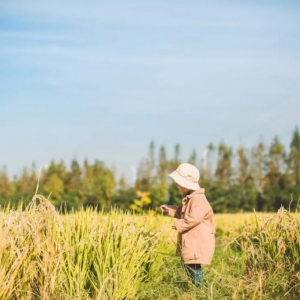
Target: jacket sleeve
point(175, 211)
point(199, 208)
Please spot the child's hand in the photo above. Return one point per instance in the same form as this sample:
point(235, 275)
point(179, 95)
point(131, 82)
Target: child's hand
point(164, 208)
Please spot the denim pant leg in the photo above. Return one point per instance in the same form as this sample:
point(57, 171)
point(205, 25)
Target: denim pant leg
point(195, 272)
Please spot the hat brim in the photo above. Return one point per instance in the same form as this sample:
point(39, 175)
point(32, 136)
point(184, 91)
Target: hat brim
point(184, 182)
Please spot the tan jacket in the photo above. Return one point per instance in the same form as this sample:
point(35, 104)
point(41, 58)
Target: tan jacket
point(196, 228)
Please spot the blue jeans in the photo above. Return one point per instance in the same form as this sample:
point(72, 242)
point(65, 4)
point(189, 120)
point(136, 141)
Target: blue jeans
point(195, 273)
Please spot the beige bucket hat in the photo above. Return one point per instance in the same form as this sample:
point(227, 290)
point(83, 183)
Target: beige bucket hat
point(187, 176)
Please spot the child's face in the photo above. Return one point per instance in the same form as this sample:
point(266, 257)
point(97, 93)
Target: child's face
point(182, 189)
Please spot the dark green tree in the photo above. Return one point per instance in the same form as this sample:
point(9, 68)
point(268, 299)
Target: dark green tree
point(98, 185)
point(52, 182)
point(224, 169)
point(26, 185)
point(6, 187)
point(294, 157)
point(243, 166)
point(73, 186)
point(193, 158)
point(175, 161)
point(146, 179)
point(276, 162)
point(258, 167)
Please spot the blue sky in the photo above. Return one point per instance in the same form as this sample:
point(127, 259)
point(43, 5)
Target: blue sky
point(95, 79)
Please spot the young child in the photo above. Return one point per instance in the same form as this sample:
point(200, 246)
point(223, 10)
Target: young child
point(195, 227)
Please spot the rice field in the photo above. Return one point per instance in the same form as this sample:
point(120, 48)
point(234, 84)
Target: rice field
point(120, 255)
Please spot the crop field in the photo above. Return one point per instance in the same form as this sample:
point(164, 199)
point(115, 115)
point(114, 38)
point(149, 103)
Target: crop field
point(119, 255)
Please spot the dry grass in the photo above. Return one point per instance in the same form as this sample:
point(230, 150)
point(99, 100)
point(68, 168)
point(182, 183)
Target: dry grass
point(84, 255)
point(118, 255)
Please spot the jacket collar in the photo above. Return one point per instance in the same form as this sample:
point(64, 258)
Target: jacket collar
point(200, 191)
point(188, 197)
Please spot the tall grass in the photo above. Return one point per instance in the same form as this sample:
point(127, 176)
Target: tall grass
point(84, 255)
point(273, 254)
point(118, 255)
point(257, 257)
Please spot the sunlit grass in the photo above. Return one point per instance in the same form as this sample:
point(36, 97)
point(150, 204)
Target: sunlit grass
point(119, 255)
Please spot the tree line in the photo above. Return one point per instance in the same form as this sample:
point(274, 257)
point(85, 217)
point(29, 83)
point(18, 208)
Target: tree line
point(263, 177)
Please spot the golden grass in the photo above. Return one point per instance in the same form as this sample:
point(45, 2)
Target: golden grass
point(95, 255)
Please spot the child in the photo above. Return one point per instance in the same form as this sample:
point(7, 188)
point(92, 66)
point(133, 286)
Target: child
point(195, 227)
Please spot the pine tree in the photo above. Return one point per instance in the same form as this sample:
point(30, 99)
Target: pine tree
point(6, 187)
point(294, 157)
point(146, 179)
point(276, 161)
point(224, 169)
